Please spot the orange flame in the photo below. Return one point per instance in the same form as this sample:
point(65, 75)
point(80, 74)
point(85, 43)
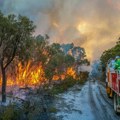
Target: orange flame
point(28, 74)
point(31, 74)
point(69, 72)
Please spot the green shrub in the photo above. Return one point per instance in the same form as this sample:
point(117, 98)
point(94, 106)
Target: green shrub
point(63, 86)
point(52, 110)
point(10, 113)
point(69, 82)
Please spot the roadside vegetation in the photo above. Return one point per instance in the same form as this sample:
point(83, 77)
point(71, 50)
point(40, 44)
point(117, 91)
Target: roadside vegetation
point(69, 82)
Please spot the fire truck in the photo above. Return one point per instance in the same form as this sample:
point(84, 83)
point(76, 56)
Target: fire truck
point(113, 87)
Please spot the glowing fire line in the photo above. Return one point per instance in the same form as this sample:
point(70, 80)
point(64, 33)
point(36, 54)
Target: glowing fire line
point(31, 74)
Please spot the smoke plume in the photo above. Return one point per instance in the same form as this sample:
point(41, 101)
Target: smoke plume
point(92, 24)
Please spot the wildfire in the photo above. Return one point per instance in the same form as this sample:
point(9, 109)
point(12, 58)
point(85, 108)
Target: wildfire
point(56, 77)
point(28, 74)
point(69, 72)
point(31, 74)
point(59, 77)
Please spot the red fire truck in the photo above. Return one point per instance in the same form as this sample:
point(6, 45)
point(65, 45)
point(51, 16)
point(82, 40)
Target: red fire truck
point(113, 87)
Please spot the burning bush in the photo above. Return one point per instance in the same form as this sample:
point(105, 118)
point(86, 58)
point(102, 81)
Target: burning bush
point(27, 74)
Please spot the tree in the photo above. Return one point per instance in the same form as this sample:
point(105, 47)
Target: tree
point(54, 62)
point(40, 49)
point(15, 33)
point(108, 54)
point(58, 61)
point(69, 60)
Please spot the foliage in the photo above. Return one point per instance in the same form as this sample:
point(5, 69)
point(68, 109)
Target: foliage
point(15, 34)
point(11, 112)
point(69, 60)
point(108, 54)
point(68, 82)
point(40, 49)
point(52, 109)
point(57, 62)
point(63, 86)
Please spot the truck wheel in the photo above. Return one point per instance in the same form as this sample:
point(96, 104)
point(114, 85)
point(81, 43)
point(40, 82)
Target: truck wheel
point(115, 103)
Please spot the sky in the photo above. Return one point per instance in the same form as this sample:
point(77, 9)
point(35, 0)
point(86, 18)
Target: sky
point(92, 24)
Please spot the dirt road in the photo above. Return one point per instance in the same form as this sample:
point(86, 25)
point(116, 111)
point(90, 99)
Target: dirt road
point(88, 102)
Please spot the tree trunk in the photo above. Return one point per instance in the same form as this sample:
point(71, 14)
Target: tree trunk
point(4, 82)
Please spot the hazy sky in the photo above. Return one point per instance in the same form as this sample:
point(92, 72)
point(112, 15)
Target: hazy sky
point(92, 24)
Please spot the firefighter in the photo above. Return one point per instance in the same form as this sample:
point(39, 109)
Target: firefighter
point(117, 63)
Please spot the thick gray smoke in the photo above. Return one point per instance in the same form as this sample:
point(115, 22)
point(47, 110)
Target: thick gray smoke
point(92, 24)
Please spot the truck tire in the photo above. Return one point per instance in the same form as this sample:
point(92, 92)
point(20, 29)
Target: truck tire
point(115, 103)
